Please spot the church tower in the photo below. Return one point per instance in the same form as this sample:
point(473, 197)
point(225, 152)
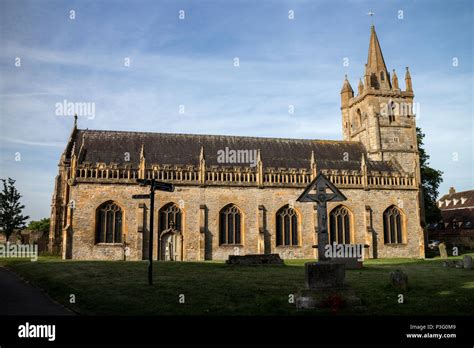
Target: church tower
point(381, 114)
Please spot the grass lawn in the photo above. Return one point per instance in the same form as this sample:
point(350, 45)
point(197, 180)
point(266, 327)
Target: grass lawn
point(120, 288)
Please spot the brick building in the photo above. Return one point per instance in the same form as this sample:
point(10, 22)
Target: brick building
point(457, 224)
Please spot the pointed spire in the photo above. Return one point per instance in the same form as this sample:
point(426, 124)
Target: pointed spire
point(395, 80)
point(142, 152)
point(408, 86)
point(361, 87)
point(375, 63)
point(346, 93)
point(75, 121)
point(346, 86)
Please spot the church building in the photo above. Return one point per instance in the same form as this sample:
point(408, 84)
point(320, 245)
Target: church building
point(237, 195)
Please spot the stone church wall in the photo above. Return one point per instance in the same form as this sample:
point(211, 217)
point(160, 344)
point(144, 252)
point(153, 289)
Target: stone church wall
point(366, 206)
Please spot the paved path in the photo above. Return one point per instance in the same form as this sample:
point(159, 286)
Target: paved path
point(20, 298)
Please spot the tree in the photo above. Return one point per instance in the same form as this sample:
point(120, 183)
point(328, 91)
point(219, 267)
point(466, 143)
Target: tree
point(430, 181)
point(11, 217)
point(41, 225)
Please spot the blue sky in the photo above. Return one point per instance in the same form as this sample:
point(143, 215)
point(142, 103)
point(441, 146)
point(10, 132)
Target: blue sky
point(190, 62)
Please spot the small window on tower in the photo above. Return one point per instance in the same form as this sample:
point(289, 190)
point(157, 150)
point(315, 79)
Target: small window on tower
point(359, 118)
point(382, 76)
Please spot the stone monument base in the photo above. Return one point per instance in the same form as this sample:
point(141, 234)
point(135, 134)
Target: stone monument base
point(255, 259)
point(326, 288)
point(333, 299)
point(325, 275)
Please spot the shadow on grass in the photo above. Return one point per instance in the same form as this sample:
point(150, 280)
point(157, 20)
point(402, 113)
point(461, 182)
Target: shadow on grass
point(214, 288)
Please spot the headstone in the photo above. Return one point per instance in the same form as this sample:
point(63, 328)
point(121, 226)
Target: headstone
point(255, 259)
point(457, 263)
point(399, 280)
point(467, 261)
point(324, 275)
point(448, 264)
point(442, 251)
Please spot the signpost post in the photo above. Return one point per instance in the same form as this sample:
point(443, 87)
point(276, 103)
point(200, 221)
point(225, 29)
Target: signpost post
point(154, 186)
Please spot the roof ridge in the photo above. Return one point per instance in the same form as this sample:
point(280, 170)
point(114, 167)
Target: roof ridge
point(219, 135)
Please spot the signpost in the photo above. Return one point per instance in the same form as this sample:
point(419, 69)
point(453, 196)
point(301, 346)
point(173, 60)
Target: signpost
point(154, 186)
point(325, 192)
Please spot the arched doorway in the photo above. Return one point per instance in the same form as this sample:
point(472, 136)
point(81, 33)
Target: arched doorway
point(171, 245)
point(170, 237)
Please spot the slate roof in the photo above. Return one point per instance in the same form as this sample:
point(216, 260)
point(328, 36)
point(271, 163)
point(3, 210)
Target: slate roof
point(182, 149)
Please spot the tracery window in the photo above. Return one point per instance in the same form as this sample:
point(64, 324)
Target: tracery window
point(340, 225)
point(170, 217)
point(230, 225)
point(393, 225)
point(109, 223)
point(286, 226)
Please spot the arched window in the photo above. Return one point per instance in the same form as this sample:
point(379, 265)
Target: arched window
point(392, 225)
point(170, 217)
point(230, 225)
point(109, 223)
point(286, 226)
point(359, 118)
point(391, 106)
point(340, 225)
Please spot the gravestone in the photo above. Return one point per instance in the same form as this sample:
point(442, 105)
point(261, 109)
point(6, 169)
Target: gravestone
point(459, 264)
point(467, 262)
point(254, 259)
point(324, 275)
point(442, 250)
point(453, 264)
point(399, 280)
